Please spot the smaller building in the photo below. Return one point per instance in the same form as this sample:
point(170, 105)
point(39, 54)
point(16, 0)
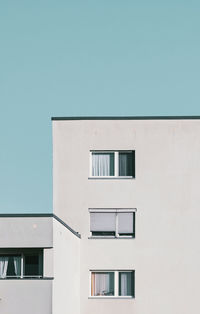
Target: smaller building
point(33, 263)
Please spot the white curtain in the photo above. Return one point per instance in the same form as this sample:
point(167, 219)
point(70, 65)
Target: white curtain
point(100, 164)
point(17, 265)
point(102, 284)
point(123, 284)
point(125, 288)
point(3, 266)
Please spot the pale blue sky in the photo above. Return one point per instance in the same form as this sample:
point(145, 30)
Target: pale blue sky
point(68, 58)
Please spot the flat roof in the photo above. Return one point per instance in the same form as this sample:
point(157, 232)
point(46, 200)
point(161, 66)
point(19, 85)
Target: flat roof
point(128, 118)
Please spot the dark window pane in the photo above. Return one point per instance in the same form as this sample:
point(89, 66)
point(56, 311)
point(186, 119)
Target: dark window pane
point(126, 284)
point(112, 164)
point(32, 265)
point(103, 233)
point(10, 269)
point(10, 266)
point(127, 164)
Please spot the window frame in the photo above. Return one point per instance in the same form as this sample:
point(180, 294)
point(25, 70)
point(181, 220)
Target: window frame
point(116, 283)
point(116, 164)
point(22, 253)
point(117, 211)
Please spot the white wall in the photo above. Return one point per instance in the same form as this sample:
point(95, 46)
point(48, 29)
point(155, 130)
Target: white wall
point(26, 232)
point(48, 262)
point(66, 284)
point(26, 296)
point(165, 253)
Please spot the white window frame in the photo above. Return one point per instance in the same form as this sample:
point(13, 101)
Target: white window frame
point(116, 164)
point(113, 210)
point(116, 283)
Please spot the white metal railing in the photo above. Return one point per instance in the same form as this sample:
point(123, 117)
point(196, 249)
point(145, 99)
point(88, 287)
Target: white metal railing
point(21, 277)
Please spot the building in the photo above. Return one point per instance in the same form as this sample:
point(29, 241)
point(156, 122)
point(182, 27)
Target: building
point(123, 236)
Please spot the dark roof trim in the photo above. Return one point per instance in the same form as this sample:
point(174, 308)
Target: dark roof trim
point(42, 215)
point(26, 215)
point(129, 118)
point(30, 278)
point(66, 226)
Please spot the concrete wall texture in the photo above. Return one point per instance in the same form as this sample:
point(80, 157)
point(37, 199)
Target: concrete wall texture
point(26, 296)
point(164, 253)
point(26, 232)
point(66, 283)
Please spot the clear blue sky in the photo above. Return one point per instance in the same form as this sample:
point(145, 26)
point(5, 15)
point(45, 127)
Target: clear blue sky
point(68, 58)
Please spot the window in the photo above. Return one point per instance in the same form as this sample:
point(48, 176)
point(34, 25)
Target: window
point(26, 264)
point(10, 266)
point(126, 286)
point(32, 265)
point(102, 164)
point(115, 223)
point(113, 164)
point(102, 284)
point(118, 283)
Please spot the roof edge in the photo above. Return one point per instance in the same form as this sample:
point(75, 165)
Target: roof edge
point(10, 215)
point(193, 117)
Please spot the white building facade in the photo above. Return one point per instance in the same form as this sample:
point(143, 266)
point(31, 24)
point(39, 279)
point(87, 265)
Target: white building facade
point(123, 236)
point(108, 171)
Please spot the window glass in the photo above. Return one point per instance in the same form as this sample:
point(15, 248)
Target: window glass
point(126, 224)
point(126, 164)
point(126, 286)
point(112, 224)
point(10, 266)
point(102, 284)
point(102, 164)
point(32, 265)
point(16, 263)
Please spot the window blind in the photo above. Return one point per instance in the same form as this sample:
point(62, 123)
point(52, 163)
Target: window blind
point(125, 222)
point(102, 221)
